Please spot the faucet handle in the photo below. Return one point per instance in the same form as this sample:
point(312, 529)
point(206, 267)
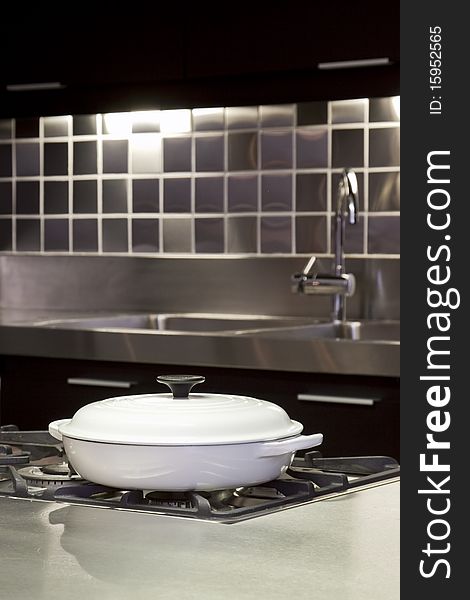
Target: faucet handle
point(310, 269)
point(306, 277)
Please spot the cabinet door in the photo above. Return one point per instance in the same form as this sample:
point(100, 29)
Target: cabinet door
point(36, 391)
point(351, 425)
point(94, 53)
point(130, 52)
point(357, 415)
point(290, 37)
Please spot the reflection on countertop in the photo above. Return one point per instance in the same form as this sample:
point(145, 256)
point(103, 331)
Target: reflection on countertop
point(348, 546)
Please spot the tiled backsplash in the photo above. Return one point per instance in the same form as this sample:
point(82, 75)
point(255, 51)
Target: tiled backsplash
point(236, 180)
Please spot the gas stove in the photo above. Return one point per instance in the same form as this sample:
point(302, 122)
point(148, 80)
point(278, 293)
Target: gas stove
point(33, 466)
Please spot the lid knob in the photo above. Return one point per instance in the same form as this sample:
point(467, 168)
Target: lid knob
point(180, 385)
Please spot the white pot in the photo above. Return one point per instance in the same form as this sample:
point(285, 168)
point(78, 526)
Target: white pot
point(180, 442)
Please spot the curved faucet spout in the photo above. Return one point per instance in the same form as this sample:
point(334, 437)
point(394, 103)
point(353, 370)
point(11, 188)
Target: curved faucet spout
point(348, 191)
point(347, 202)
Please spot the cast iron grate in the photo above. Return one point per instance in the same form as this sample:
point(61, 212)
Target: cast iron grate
point(310, 477)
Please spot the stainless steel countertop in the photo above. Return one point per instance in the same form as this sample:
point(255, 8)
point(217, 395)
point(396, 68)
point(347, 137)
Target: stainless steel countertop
point(344, 547)
point(20, 336)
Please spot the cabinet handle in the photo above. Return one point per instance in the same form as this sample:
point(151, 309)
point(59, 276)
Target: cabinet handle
point(99, 382)
point(337, 399)
point(34, 87)
point(352, 64)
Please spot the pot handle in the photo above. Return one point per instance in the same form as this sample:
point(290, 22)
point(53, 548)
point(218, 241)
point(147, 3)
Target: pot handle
point(300, 442)
point(54, 428)
point(180, 385)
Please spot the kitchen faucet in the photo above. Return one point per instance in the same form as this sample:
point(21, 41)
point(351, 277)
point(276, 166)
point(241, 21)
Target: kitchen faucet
point(339, 284)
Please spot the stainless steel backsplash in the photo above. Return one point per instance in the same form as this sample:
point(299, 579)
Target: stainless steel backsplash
point(214, 285)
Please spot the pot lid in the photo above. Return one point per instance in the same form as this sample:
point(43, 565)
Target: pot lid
point(180, 418)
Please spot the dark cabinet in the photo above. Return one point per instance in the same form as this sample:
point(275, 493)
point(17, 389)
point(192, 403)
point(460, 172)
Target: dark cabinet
point(193, 56)
point(94, 65)
point(37, 390)
point(94, 52)
point(290, 37)
point(357, 415)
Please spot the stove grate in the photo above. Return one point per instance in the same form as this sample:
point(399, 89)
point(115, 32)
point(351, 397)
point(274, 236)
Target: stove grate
point(310, 477)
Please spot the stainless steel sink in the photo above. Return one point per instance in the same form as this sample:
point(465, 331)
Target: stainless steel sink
point(182, 322)
point(289, 328)
point(350, 330)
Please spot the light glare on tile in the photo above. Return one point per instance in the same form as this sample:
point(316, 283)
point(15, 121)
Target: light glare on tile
point(118, 123)
point(175, 121)
point(206, 112)
point(350, 102)
point(140, 117)
point(348, 111)
point(57, 118)
point(56, 126)
point(396, 105)
point(145, 141)
point(146, 152)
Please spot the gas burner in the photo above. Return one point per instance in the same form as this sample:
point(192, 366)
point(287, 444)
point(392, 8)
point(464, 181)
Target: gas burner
point(219, 500)
point(62, 468)
point(169, 499)
point(56, 474)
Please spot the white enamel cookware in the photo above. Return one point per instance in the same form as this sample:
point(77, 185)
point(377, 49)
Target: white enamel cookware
point(181, 441)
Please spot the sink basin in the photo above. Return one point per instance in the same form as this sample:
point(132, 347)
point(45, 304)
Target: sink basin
point(292, 328)
point(183, 322)
point(349, 330)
